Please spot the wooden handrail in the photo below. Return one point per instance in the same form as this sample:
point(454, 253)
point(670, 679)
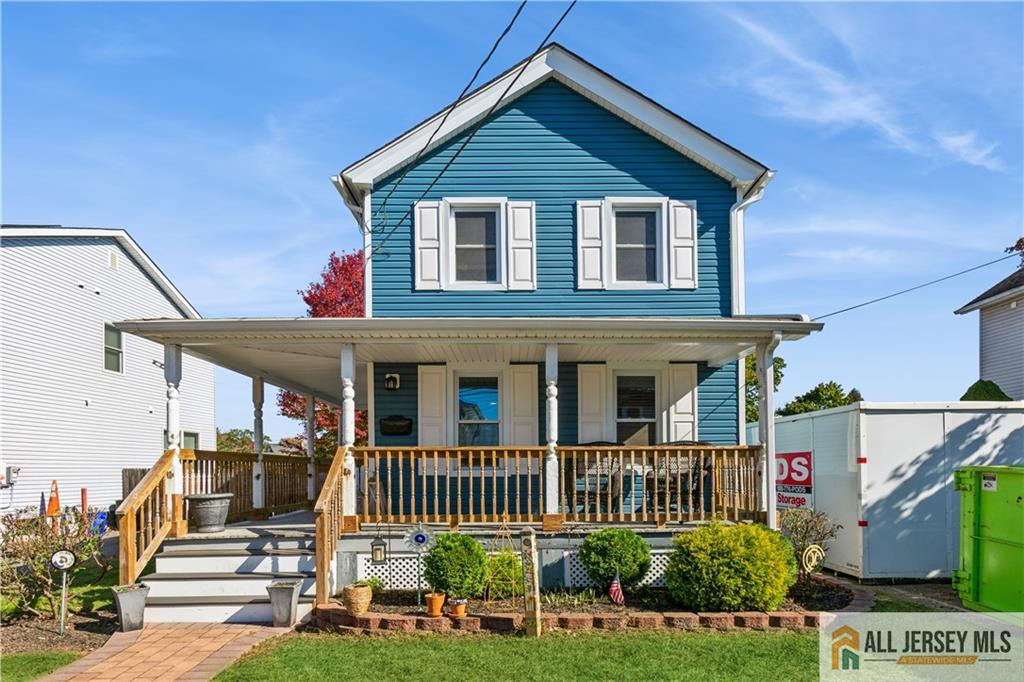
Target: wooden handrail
point(328, 510)
point(144, 519)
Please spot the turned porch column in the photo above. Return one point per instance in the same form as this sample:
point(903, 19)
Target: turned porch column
point(257, 443)
point(175, 486)
point(766, 423)
point(551, 473)
point(347, 427)
point(310, 448)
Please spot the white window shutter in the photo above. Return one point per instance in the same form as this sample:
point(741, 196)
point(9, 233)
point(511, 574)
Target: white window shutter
point(521, 223)
point(523, 401)
point(590, 391)
point(429, 222)
point(432, 405)
point(590, 254)
point(682, 244)
point(682, 402)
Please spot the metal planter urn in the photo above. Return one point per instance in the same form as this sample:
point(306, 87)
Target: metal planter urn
point(131, 605)
point(209, 512)
point(284, 602)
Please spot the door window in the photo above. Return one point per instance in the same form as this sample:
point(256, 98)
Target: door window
point(479, 410)
point(636, 412)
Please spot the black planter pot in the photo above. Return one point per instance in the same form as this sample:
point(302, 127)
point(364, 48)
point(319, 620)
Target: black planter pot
point(209, 512)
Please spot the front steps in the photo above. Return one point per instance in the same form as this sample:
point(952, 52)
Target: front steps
point(222, 578)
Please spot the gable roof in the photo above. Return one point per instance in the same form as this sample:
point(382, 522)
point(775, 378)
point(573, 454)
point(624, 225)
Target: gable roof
point(568, 68)
point(123, 239)
point(1006, 289)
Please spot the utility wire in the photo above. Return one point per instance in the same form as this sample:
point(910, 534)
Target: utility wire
point(382, 208)
point(475, 128)
point(914, 288)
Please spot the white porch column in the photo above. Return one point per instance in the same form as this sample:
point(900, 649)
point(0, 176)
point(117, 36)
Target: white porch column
point(172, 375)
point(766, 423)
point(257, 442)
point(551, 482)
point(347, 426)
point(310, 448)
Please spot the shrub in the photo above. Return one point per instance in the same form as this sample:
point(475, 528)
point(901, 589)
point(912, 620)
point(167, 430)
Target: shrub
point(375, 584)
point(983, 389)
point(28, 540)
point(806, 527)
point(456, 565)
point(615, 550)
point(504, 575)
point(730, 568)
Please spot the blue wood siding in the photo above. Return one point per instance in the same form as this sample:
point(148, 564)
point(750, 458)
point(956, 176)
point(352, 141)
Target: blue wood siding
point(554, 147)
point(718, 403)
point(401, 402)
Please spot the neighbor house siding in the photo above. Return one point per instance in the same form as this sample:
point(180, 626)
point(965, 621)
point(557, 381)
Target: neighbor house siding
point(554, 147)
point(64, 417)
point(1002, 346)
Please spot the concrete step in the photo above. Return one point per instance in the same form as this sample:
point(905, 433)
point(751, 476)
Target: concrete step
point(216, 610)
point(211, 560)
point(262, 541)
point(187, 585)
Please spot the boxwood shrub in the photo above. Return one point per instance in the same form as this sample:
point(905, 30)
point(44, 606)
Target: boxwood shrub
point(456, 565)
point(730, 568)
point(615, 550)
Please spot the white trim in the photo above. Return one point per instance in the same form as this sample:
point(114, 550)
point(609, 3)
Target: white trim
point(991, 300)
point(126, 242)
point(451, 205)
point(737, 242)
point(660, 207)
point(367, 223)
point(582, 77)
point(371, 411)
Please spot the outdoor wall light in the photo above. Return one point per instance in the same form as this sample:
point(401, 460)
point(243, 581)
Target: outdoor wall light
point(392, 382)
point(378, 551)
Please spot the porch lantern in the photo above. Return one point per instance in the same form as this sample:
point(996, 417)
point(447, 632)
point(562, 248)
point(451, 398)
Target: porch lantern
point(392, 382)
point(378, 551)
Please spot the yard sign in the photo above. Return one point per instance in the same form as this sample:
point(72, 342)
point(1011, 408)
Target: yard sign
point(794, 482)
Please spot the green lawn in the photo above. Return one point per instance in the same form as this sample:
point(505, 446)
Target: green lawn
point(561, 656)
point(884, 603)
point(35, 664)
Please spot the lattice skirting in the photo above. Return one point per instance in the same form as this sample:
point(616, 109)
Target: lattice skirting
point(576, 574)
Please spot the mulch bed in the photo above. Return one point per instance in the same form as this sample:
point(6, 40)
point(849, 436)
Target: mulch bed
point(82, 632)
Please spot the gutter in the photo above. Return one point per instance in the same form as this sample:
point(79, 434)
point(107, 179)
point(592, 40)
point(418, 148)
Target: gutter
point(736, 239)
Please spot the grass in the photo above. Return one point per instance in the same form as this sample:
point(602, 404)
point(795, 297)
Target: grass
point(35, 664)
point(562, 656)
point(88, 593)
point(887, 604)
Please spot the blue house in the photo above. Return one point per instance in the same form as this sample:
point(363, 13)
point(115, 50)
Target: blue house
point(555, 319)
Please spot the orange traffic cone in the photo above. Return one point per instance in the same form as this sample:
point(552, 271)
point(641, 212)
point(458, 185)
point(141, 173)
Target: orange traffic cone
point(53, 506)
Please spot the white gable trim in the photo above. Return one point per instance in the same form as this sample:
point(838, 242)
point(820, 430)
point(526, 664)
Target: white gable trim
point(125, 241)
point(574, 72)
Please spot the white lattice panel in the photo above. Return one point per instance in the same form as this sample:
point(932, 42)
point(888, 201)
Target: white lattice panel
point(576, 574)
point(399, 573)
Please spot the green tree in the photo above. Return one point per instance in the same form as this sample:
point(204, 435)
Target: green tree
point(239, 440)
point(752, 385)
point(825, 395)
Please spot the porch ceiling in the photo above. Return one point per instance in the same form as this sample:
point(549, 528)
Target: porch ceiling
point(303, 354)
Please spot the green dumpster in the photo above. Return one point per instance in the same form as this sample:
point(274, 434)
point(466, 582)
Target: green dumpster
point(991, 575)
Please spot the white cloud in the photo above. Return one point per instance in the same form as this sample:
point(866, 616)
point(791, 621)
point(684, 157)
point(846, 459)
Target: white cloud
point(854, 256)
point(967, 148)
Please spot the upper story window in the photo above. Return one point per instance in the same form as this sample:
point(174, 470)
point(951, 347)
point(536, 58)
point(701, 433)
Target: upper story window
point(476, 245)
point(113, 350)
point(636, 245)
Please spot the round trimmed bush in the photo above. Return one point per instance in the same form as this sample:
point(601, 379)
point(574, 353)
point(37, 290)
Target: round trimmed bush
point(456, 565)
point(730, 568)
point(504, 575)
point(615, 550)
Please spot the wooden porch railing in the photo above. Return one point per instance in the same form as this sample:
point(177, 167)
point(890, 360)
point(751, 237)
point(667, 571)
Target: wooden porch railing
point(329, 509)
point(285, 480)
point(144, 519)
point(208, 471)
point(659, 484)
point(450, 485)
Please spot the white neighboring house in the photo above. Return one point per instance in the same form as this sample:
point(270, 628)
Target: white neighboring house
point(79, 400)
point(1001, 329)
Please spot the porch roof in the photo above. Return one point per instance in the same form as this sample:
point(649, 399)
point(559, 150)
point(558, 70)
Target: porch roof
point(302, 354)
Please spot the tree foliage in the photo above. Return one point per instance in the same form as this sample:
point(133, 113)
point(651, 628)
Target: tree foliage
point(1018, 248)
point(239, 440)
point(825, 395)
point(982, 389)
point(338, 293)
point(752, 385)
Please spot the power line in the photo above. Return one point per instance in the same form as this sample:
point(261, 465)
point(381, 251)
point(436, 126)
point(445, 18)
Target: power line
point(914, 288)
point(394, 186)
point(475, 128)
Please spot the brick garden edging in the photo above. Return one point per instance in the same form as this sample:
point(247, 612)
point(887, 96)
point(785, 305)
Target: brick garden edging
point(334, 618)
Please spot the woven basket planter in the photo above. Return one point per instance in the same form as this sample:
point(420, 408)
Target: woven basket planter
point(356, 599)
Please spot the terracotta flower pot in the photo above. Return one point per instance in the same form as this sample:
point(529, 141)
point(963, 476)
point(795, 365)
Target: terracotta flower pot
point(435, 601)
point(457, 608)
point(356, 599)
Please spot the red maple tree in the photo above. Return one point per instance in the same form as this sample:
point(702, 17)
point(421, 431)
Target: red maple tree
point(338, 293)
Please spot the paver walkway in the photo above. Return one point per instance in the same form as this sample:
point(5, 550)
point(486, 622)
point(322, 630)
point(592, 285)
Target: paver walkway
point(167, 651)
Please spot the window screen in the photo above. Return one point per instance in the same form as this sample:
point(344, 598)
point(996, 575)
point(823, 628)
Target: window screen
point(636, 246)
point(476, 246)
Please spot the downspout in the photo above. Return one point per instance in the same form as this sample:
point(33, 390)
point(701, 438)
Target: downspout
point(736, 238)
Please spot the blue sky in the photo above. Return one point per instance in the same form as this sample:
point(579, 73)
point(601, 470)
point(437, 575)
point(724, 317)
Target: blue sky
point(209, 131)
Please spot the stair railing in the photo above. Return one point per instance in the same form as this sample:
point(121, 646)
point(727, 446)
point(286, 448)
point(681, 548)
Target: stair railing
point(329, 511)
point(145, 518)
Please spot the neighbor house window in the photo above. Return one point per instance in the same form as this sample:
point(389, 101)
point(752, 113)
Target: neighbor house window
point(113, 351)
point(636, 245)
point(476, 245)
point(189, 440)
point(479, 410)
point(636, 413)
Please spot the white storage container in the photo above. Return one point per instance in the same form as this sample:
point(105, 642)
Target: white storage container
point(885, 472)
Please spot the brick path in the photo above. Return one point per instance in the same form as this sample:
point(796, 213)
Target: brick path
point(167, 651)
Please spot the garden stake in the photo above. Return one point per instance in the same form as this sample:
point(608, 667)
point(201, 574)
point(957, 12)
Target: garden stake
point(63, 560)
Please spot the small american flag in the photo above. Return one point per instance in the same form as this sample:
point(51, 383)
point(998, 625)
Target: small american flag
point(615, 591)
